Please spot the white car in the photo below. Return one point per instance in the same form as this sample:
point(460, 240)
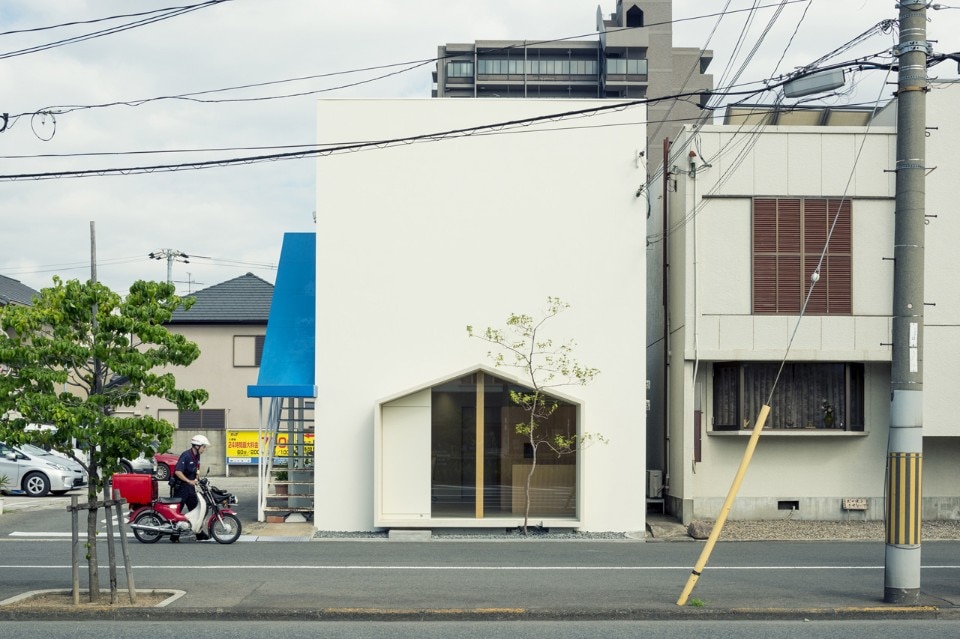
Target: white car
point(141, 464)
point(38, 475)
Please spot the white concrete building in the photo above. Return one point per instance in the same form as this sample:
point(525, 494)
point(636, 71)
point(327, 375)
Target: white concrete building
point(417, 241)
point(750, 208)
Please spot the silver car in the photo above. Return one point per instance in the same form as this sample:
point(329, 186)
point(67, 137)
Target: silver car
point(37, 475)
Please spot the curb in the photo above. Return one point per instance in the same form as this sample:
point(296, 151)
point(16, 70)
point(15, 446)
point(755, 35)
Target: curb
point(483, 614)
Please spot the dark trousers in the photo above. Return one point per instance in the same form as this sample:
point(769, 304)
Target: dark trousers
point(188, 497)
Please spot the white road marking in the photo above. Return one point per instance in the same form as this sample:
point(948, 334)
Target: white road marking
point(497, 568)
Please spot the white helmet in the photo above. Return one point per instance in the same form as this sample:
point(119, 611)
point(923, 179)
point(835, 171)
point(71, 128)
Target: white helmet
point(199, 440)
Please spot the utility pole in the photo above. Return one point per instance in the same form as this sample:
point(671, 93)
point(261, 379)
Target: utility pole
point(901, 583)
point(170, 255)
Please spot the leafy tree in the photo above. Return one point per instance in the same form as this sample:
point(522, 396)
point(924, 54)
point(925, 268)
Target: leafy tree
point(544, 366)
point(74, 356)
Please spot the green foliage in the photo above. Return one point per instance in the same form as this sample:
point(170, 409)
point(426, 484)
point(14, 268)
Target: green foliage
point(80, 352)
point(697, 603)
point(544, 365)
point(4, 482)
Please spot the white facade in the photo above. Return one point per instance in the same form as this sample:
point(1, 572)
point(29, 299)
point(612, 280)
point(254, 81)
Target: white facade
point(802, 472)
point(417, 241)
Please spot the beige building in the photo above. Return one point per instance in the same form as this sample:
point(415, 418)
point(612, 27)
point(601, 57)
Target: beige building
point(632, 58)
point(749, 213)
point(228, 322)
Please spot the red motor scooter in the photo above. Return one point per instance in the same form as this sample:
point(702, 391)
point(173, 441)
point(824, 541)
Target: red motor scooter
point(153, 517)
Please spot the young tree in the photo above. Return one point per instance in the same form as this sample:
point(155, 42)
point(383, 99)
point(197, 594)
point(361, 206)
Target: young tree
point(544, 366)
point(74, 356)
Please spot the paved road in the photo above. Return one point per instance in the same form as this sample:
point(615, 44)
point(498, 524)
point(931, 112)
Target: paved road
point(520, 579)
point(227, 629)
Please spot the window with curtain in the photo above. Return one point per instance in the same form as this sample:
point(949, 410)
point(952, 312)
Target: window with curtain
point(808, 395)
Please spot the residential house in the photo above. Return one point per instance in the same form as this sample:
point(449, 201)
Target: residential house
point(228, 322)
point(15, 292)
point(749, 212)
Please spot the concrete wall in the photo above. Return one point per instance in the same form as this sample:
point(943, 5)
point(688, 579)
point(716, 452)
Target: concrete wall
point(416, 242)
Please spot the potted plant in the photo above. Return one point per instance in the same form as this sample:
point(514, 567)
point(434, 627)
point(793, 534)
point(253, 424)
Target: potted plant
point(280, 475)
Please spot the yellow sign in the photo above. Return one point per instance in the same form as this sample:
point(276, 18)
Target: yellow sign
point(281, 448)
point(242, 447)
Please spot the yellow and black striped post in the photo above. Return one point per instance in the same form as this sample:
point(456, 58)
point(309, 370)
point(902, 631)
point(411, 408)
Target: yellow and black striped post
point(904, 472)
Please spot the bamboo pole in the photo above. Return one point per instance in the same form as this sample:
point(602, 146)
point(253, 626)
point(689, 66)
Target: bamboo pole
point(75, 547)
point(122, 530)
point(725, 510)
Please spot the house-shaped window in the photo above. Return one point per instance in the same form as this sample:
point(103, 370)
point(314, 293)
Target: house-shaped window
point(451, 452)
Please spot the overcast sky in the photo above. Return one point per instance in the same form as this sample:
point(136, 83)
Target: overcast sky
point(231, 220)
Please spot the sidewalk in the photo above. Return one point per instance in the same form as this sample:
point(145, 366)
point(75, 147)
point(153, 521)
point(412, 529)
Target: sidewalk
point(514, 578)
point(521, 580)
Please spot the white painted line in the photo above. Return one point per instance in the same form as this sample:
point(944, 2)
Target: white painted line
point(249, 567)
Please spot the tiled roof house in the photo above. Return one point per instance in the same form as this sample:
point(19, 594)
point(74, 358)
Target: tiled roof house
point(15, 292)
point(228, 322)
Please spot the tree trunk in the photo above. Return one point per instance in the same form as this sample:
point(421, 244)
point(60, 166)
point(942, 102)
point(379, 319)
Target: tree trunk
point(526, 488)
point(92, 573)
point(94, 576)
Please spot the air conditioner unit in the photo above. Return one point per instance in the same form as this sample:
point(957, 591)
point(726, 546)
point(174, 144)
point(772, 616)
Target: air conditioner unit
point(655, 484)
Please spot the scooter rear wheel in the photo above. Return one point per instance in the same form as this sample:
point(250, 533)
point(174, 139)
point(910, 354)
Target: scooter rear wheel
point(226, 531)
point(148, 518)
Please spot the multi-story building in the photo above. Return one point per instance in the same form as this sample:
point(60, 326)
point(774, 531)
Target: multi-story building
point(749, 216)
point(633, 57)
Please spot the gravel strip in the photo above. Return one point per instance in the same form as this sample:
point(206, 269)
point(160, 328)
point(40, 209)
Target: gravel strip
point(774, 530)
point(794, 530)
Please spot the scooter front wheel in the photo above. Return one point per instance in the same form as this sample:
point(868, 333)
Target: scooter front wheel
point(225, 529)
point(148, 518)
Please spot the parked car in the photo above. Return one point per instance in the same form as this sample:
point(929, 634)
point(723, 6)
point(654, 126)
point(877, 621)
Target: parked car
point(37, 475)
point(166, 464)
point(141, 465)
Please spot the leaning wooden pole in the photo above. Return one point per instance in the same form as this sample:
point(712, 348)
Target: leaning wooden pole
point(74, 509)
point(725, 510)
point(122, 530)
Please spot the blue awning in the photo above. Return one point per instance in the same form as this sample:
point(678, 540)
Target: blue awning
point(287, 365)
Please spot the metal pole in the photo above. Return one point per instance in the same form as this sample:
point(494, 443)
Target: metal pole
point(905, 444)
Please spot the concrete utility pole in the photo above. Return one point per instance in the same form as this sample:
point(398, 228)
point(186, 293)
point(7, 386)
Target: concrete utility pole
point(905, 447)
point(170, 255)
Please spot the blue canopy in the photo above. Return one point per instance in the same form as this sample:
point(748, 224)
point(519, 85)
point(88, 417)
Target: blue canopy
point(287, 366)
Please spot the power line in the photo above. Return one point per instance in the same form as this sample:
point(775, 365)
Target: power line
point(357, 146)
point(408, 66)
point(497, 127)
point(165, 15)
point(95, 20)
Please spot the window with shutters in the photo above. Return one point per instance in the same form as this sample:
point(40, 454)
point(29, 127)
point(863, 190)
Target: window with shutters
point(205, 418)
point(807, 395)
point(789, 238)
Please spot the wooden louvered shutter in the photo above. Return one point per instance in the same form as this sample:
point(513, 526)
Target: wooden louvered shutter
point(789, 237)
point(764, 256)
